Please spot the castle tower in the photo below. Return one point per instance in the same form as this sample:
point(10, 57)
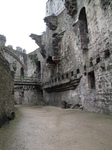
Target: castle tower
point(2, 40)
point(19, 49)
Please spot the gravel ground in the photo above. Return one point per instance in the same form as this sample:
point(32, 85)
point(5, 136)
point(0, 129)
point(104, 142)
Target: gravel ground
point(53, 128)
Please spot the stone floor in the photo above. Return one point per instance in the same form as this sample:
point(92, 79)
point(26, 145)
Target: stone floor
point(53, 128)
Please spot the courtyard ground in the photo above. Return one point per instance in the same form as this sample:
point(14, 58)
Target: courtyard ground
point(53, 128)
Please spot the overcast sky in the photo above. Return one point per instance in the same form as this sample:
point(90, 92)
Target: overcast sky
point(20, 18)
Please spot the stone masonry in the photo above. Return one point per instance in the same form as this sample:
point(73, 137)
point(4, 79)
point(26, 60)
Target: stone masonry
point(74, 60)
point(6, 91)
point(77, 68)
point(23, 67)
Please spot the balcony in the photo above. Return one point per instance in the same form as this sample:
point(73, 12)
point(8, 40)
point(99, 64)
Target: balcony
point(62, 82)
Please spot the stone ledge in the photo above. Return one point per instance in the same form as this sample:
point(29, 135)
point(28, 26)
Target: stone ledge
point(68, 84)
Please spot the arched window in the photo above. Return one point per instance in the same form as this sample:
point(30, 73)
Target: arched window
point(83, 27)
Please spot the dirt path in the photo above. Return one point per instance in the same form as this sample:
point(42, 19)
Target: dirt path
point(53, 128)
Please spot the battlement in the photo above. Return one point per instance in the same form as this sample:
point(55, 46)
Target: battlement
point(2, 40)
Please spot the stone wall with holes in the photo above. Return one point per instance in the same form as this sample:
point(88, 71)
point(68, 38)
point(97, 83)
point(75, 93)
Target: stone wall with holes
point(54, 7)
point(85, 53)
point(6, 91)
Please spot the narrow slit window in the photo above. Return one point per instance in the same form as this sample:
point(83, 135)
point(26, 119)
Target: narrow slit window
point(97, 60)
point(72, 73)
point(58, 78)
point(55, 79)
point(62, 77)
point(78, 71)
point(66, 75)
point(91, 80)
point(107, 53)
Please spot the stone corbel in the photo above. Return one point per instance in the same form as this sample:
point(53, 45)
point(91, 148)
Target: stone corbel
point(37, 39)
point(51, 22)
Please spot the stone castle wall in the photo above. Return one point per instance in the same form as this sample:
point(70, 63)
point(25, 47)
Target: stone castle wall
point(6, 91)
point(85, 51)
point(28, 94)
point(24, 94)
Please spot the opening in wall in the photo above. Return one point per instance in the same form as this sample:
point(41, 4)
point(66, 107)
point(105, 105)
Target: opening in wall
point(62, 77)
point(58, 78)
point(22, 71)
point(72, 73)
point(97, 60)
point(91, 62)
point(85, 73)
point(66, 75)
point(78, 71)
point(107, 53)
point(55, 79)
point(39, 69)
point(83, 27)
point(91, 79)
point(84, 67)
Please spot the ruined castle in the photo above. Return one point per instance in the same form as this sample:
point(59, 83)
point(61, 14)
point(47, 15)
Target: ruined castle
point(71, 67)
point(6, 87)
point(77, 54)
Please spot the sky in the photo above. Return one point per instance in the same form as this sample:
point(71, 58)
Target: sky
point(20, 18)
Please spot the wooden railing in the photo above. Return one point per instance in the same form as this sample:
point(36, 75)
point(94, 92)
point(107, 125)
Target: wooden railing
point(26, 80)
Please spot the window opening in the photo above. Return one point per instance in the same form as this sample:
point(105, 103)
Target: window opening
point(83, 27)
point(66, 75)
point(58, 78)
point(72, 73)
point(62, 77)
point(91, 79)
point(78, 71)
point(84, 67)
point(107, 53)
point(97, 60)
point(91, 62)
